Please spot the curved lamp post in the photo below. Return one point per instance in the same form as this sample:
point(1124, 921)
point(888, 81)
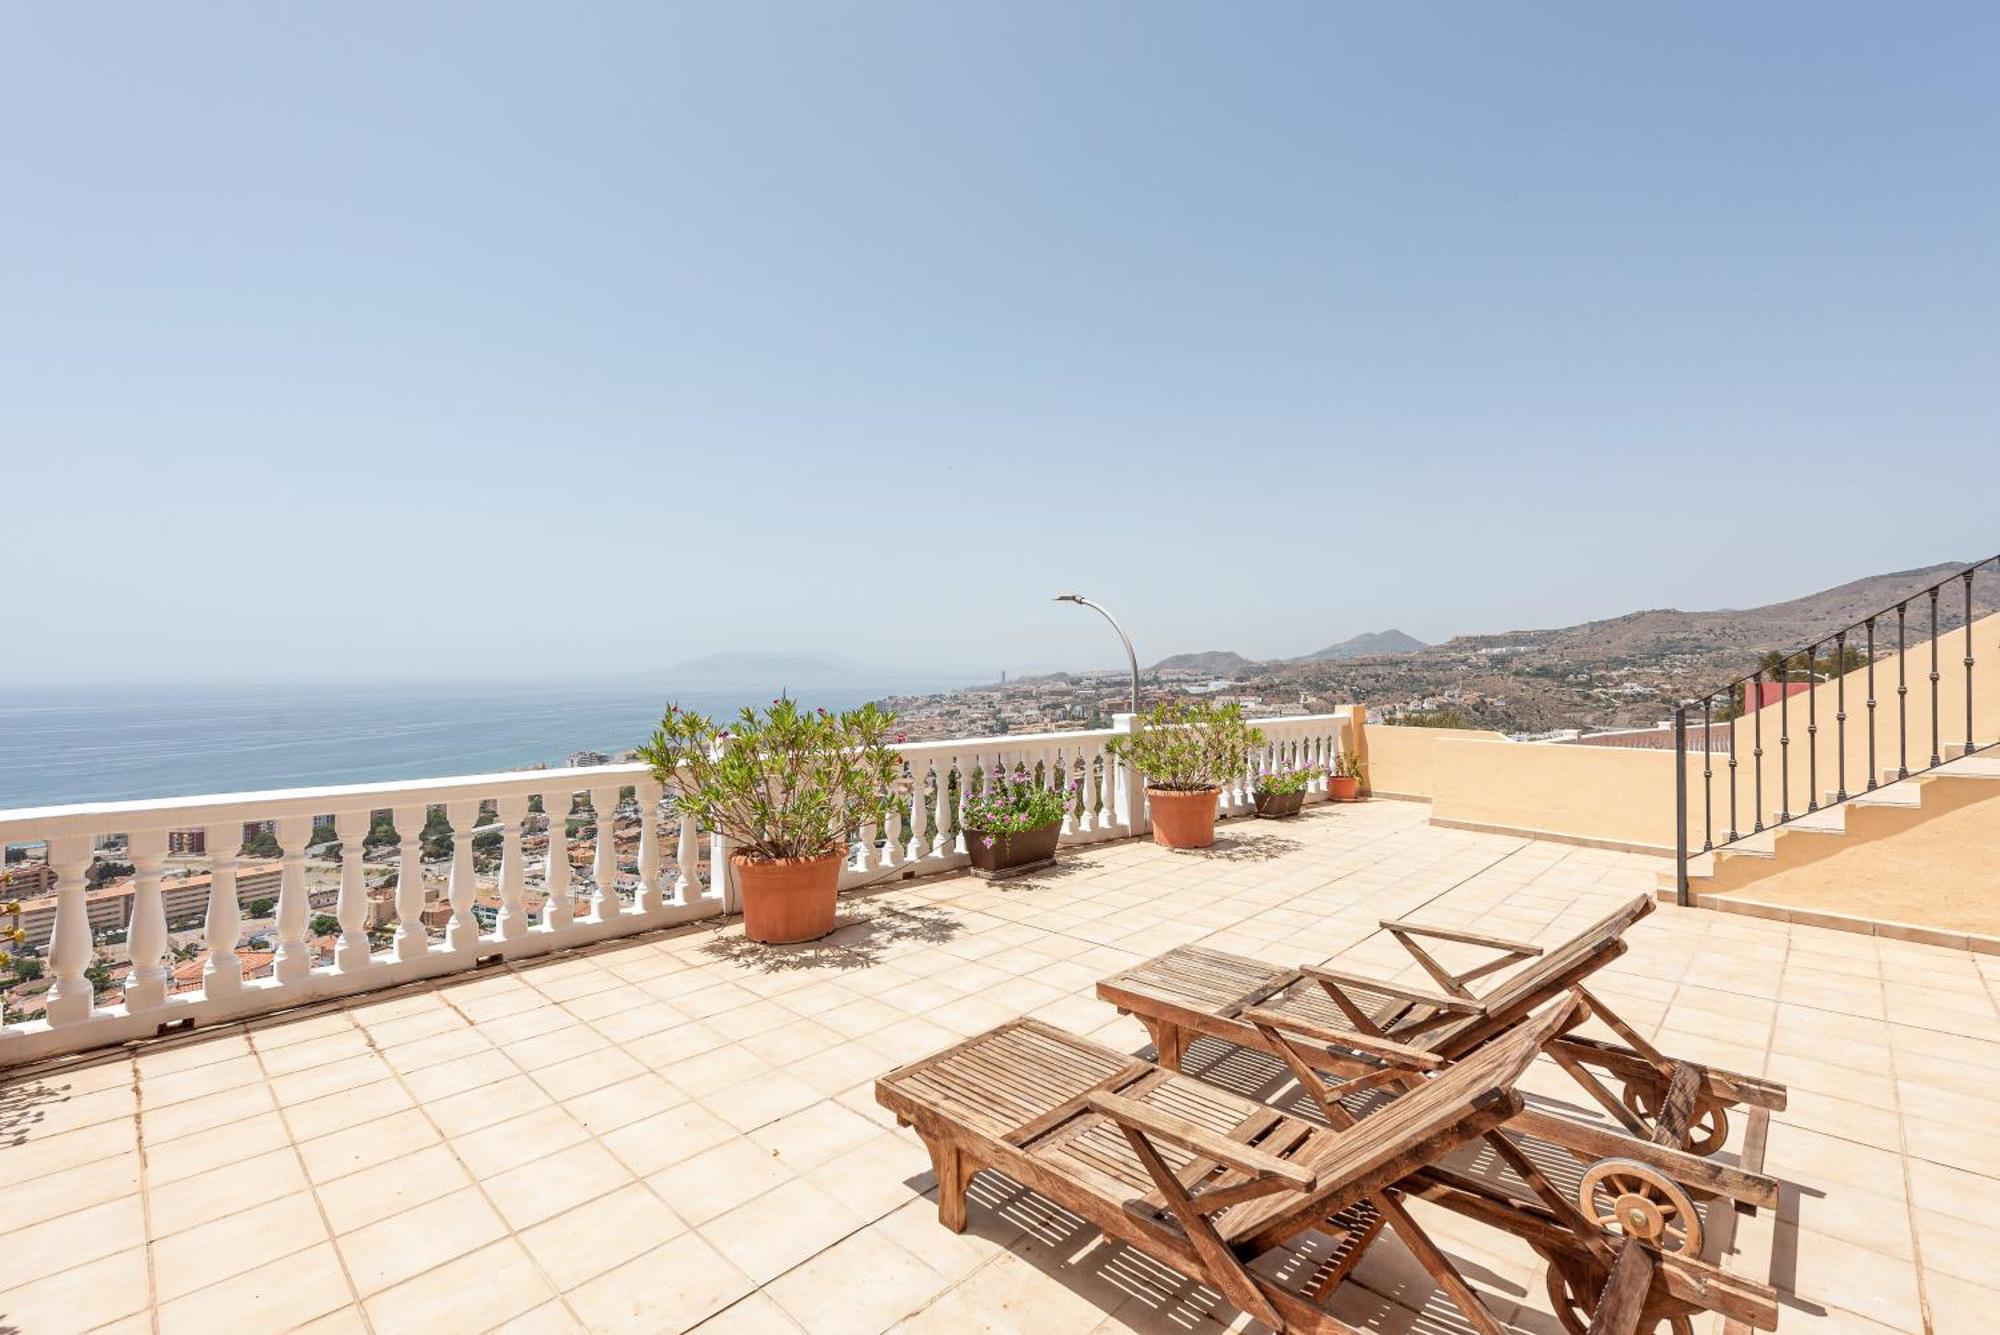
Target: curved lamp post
point(1123, 638)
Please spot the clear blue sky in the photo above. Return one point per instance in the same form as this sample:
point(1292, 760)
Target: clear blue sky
point(483, 339)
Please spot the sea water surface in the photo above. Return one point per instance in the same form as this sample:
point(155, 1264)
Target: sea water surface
point(76, 745)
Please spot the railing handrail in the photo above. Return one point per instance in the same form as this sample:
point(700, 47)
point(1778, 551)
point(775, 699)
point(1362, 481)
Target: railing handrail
point(1861, 623)
point(1857, 676)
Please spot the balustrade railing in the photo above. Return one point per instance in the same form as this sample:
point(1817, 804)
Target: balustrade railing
point(445, 875)
point(1814, 682)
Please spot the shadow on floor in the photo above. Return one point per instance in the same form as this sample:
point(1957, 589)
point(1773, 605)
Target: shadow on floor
point(859, 942)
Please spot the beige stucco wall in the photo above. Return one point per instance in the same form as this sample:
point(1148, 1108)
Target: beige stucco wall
point(1600, 794)
point(1402, 762)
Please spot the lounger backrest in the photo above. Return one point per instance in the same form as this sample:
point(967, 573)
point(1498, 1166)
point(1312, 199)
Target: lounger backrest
point(1427, 1122)
point(1543, 977)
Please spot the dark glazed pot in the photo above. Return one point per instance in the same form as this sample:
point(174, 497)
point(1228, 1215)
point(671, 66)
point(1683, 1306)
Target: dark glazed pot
point(1276, 806)
point(1012, 854)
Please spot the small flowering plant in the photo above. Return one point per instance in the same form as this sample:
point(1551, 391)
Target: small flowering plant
point(1284, 779)
point(1348, 765)
point(782, 783)
point(1011, 805)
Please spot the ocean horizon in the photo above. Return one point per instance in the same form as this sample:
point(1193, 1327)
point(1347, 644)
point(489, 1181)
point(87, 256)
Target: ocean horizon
point(69, 744)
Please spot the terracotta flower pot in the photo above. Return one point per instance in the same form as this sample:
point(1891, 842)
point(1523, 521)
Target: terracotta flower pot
point(1183, 819)
point(1343, 787)
point(1276, 806)
point(788, 899)
point(1001, 855)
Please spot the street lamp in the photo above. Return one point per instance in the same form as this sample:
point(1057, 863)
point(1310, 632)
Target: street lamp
point(1125, 639)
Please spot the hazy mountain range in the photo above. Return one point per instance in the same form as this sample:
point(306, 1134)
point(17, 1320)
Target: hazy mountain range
point(1225, 662)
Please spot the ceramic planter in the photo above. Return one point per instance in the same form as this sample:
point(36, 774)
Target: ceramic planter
point(1183, 819)
point(1277, 806)
point(1343, 787)
point(788, 899)
point(1001, 855)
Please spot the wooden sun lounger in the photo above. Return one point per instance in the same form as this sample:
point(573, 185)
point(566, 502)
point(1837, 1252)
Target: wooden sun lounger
point(1206, 1181)
point(1367, 1025)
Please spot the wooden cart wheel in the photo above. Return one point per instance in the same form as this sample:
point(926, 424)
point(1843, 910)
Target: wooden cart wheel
point(1635, 1200)
point(1574, 1290)
point(1707, 1130)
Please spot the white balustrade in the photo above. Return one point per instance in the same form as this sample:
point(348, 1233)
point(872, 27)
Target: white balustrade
point(294, 959)
point(351, 827)
point(146, 936)
point(604, 867)
point(937, 779)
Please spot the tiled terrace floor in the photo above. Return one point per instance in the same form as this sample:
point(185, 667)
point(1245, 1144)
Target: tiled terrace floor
point(678, 1130)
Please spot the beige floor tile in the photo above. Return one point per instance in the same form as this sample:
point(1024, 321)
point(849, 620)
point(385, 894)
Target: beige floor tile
point(279, 1295)
point(719, 1179)
point(762, 1100)
point(73, 1238)
point(601, 1235)
point(385, 1253)
point(500, 1148)
point(79, 1297)
point(198, 1257)
point(210, 1196)
point(604, 1110)
point(477, 1291)
point(664, 1139)
point(816, 1134)
point(775, 1231)
point(536, 1191)
point(822, 1297)
point(342, 1152)
point(362, 1198)
point(349, 1107)
point(753, 1314)
point(173, 1160)
point(673, 1287)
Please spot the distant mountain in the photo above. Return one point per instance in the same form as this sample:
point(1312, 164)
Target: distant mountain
point(1369, 644)
point(1215, 662)
point(1740, 634)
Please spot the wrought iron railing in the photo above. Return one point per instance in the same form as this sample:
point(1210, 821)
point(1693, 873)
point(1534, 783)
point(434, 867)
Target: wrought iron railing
point(1819, 675)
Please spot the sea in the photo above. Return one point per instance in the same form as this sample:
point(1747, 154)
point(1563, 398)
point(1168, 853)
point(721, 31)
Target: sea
point(69, 745)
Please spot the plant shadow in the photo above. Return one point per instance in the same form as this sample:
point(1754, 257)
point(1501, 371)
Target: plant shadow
point(859, 941)
point(1237, 848)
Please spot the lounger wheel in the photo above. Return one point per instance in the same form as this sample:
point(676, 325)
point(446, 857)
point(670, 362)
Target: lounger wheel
point(1575, 1286)
point(1707, 1129)
point(1635, 1200)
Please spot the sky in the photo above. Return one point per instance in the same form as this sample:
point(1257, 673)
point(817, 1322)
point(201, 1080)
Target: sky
point(387, 341)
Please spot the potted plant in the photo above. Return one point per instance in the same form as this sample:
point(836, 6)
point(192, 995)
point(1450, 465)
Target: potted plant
point(1343, 781)
point(1012, 826)
point(785, 787)
point(1187, 751)
point(1281, 792)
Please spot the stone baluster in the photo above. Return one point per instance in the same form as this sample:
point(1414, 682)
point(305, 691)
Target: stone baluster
point(1061, 770)
point(864, 848)
point(352, 908)
point(919, 846)
point(462, 933)
point(513, 920)
point(71, 943)
point(222, 972)
point(687, 862)
point(1090, 820)
point(146, 985)
point(295, 955)
point(412, 942)
point(721, 883)
point(892, 838)
point(559, 908)
point(604, 868)
point(651, 896)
